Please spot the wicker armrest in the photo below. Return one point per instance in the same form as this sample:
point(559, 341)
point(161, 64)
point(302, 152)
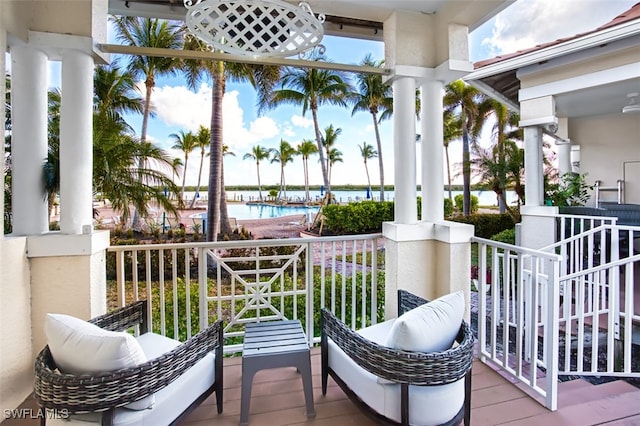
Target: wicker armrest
point(408, 301)
point(124, 318)
point(414, 368)
point(101, 392)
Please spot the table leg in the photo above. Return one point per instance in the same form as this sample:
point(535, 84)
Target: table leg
point(307, 384)
point(245, 401)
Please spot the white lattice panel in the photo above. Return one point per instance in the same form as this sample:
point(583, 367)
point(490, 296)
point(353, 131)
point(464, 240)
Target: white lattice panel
point(255, 27)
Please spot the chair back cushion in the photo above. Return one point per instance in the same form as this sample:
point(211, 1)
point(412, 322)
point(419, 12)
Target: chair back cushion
point(79, 347)
point(431, 327)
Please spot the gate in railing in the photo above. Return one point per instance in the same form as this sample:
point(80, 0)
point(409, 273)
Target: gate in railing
point(248, 281)
point(517, 321)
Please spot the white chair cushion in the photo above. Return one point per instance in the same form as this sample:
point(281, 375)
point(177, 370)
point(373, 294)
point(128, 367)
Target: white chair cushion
point(428, 405)
point(431, 327)
point(171, 401)
point(79, 347)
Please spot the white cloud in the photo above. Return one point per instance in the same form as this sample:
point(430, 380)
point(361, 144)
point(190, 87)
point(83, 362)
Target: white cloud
point(530, 22)
point(288, 132)
point(178, 106)
point(299, 121)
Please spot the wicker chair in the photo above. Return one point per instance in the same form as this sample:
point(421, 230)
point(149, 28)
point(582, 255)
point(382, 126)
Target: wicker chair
point(104, 393)
point(397, 366)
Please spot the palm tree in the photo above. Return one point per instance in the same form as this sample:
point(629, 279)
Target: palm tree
point(374, 96)
point(185, 142)
point(467, 100)
point(262, 77)
point(452, 131)
point(283, 156)
point(203, 140)
point(367, 153)
point(333, 156)
point(257, 154)
point(311, 88)
point(330, 136)
point(146, 32)
point(306, 149)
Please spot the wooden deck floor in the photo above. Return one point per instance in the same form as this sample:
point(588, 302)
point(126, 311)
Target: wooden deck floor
point(277, 400)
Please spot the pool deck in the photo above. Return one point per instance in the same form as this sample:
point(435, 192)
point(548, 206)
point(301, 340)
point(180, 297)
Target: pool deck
point(279, 227)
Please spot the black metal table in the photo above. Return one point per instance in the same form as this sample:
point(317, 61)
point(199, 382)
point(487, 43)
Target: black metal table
point(274, 344)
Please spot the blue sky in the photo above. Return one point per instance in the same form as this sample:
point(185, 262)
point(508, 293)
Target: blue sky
point(524, 24)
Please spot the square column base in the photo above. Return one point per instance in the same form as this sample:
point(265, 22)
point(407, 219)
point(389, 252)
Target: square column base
point(427, 259)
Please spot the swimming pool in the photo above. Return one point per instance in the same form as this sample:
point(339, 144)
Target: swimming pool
point(261, 211)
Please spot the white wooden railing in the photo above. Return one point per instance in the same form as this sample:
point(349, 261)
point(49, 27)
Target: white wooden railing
point(256, 280)
point(518, 314)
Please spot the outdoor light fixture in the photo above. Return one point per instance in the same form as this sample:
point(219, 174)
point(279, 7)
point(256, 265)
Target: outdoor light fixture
point(256, 28)
point(634, 106)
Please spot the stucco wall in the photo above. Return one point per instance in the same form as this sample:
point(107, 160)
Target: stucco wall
point(607, 145)
point(16, 361)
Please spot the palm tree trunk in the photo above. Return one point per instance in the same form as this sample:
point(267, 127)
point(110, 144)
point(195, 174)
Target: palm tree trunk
point(193, 202)
point(184, 177)
point(325, 174)
point(446, 153)
point(215, 155)
point(380, 162)
point(305, 165)
point(149, 83)
point(366, 169)
point(225, 227)
point(259, 186)
point(466, 174)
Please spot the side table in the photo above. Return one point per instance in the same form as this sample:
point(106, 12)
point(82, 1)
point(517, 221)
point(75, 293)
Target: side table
point(274, 344)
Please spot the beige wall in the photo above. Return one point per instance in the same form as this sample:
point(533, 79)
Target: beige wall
point(16, 360)
point(591, 65)
point(606, 144)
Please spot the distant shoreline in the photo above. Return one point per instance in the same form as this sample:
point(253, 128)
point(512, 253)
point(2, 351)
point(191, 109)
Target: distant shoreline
point(374, 188)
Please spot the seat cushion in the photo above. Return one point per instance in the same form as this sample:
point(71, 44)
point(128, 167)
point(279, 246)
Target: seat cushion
point(431, 327)
point(428, 405)
point(79, 347)
point(170, 401)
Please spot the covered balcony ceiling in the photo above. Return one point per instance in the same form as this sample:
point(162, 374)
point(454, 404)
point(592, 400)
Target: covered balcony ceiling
point(349, 18)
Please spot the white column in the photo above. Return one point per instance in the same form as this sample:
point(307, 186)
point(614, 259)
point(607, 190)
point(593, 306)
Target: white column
point(533, 166)
point(76, 142)
point(404, 144)
point(28, 140)
point(432, 152)
point(564, 158)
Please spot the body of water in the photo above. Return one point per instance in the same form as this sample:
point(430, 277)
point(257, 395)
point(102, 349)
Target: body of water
point(263, 211)
point(485, 198)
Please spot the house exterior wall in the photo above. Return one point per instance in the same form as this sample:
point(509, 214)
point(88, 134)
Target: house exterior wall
point(16, 360)
point(609, 150)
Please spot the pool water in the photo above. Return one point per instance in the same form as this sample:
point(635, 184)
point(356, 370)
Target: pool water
point(263, 211)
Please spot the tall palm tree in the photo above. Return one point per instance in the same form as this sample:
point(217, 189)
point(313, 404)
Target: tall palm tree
point(452, 131)
point(261, 77)
point(146, 32)
point(203, 140)
point(368, 152)
point(258, 153)
point(283, 155)
point(467, 100)
point(311, 88)
point(305, 150)
point(375, 96)
point(185, 142)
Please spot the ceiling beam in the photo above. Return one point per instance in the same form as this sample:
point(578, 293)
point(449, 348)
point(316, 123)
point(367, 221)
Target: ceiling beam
point(219, 56)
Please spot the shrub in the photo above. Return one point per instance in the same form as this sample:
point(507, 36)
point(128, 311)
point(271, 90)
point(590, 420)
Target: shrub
point(487, 225)
point(357, 218)
point(507, 236)
point(458, 200)
point(448, 207)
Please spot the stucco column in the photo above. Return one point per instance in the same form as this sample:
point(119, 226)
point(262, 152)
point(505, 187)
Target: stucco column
point(563, 146)
point(404, 146)
point(533, 166)
point(432, 156)
point(28, 140)
point(76, 142)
